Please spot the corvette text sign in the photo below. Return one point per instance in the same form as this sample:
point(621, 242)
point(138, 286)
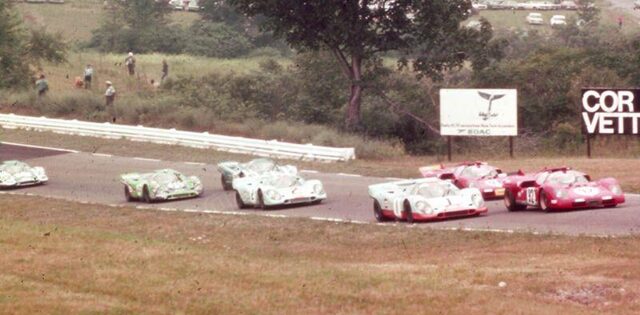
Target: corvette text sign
point(478, 112)
point(611, 111)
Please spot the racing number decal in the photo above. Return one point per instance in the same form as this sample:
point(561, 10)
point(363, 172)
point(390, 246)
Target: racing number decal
point(531, 196)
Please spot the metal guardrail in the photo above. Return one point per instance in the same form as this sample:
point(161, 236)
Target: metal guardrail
point(268, 148)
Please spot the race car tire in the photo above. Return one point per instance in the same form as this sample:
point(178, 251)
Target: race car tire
point(316, 202)
point(377, 212)
point(261, 204)
point(225, 185)
point(145, 195)
point(127, 194)
point(239, 201)
point(408, 212)
point(510, 202)
point(544, 202)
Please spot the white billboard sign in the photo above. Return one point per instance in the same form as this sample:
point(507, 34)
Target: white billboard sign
point(478, 112)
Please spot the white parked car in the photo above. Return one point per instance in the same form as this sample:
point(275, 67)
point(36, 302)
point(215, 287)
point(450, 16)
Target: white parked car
point(424, 199)
point(558, 20)
point(479, 6)
point(535, 18)
point(277, 188)
point(569, 5)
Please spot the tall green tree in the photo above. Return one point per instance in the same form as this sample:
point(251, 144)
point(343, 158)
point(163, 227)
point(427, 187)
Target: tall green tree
point(136, 25)
point(21, 49)
point(13, 49)
point(358, 30)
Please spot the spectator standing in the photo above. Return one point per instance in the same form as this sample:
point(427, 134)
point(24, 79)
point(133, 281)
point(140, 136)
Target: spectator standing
point(165, 70)
point(620, 21)
point(42, 86)
point(88, 76)
point(130, 62)
point(110, 96)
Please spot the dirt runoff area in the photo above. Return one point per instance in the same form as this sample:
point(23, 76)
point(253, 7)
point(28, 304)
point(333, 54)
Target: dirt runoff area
point(63, 257)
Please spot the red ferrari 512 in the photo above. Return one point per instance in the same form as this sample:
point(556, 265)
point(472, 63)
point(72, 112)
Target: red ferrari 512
point(480, 175)
point(560, 189)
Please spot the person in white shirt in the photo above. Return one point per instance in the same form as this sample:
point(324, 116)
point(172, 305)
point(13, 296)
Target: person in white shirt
point(88, 76)
point(110, 96)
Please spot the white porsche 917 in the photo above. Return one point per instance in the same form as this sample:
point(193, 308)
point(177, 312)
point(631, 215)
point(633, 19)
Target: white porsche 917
point(277, 188)
point(18, 174)
point(231, 170)
point(423, 200)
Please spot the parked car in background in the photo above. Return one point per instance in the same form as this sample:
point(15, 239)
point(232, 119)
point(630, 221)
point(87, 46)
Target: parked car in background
point(479, 6)
point(568, 5)
point(558, 20)
point(535, 18)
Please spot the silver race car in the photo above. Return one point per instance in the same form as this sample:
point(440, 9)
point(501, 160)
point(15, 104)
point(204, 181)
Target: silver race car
point(17, 174)
point(231, 170)
point(277, 188)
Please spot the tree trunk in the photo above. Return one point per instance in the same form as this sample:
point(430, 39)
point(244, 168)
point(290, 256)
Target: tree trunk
point(352, 119)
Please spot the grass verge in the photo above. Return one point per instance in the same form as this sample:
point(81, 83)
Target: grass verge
point(64, 257)
point(401, 166)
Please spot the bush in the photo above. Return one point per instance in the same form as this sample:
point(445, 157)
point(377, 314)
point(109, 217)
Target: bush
point(216, 40)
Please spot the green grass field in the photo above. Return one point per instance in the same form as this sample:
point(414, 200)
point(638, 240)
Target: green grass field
point(62, 257)
point(77, 18)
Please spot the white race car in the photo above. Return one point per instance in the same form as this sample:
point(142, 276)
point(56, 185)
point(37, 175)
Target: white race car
point(17, 174)
point(232, 170)
point(424, 199)
point(277, 188)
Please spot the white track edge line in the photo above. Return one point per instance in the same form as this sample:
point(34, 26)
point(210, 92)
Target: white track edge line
point(39, 147)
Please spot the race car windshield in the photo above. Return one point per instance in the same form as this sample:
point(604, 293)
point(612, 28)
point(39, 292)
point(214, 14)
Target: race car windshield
point(14, 168)
point(566, 178)
point(479, 171)
point(435, 190)
point(284, 181)
point(261, 165)
point(169, 178)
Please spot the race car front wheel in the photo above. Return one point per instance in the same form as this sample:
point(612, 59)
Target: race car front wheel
point(239, 201)
point(377, 212)
point(544, 202)
point(261, 204)
point(408, 212)
point(510, 202)
point(145, 195)
point(225, 185)
point(127, 194)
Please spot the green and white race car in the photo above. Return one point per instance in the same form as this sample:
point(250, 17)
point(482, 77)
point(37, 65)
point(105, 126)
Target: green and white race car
point(18, 174)
point(231, 170)
point(166, 184)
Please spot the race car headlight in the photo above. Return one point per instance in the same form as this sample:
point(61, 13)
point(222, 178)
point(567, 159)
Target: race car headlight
point(562, 193)
point(273, 195)
point(477, 200)
point(616, 190)
point(317, 188)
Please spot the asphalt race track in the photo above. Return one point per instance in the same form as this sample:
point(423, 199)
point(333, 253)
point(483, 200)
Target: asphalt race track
point(90, 177)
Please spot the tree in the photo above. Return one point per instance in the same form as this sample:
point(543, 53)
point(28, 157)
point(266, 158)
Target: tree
point(588, 13)
point(358, 30)
point(22, 49)
point(136, 25)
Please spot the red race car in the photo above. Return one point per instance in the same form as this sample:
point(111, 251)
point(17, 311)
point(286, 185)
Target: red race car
point(560, 189)
point(486, 178)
